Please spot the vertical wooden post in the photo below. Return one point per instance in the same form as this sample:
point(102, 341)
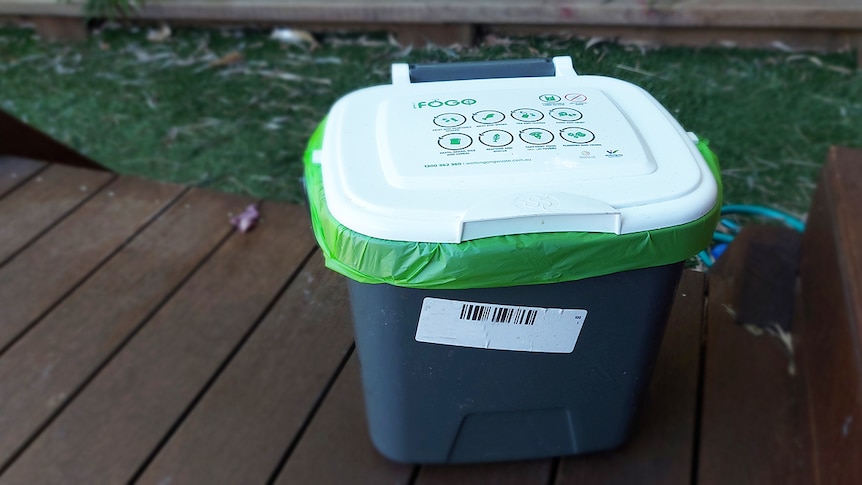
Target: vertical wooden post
point(831, 340)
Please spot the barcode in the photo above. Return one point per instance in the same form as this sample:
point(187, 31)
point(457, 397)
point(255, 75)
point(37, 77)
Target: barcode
point(497, 314)
point(499, 327)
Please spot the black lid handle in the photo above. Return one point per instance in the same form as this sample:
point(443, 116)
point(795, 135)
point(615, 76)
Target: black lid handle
point(459, 71)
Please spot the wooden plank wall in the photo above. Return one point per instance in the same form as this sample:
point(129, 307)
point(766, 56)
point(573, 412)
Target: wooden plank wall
point(810, 24)
point(718, 13)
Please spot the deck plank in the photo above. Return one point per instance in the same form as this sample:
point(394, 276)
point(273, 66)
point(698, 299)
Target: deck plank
point(148, 386)
point(42, 201)
point(336, 447)
point(242, 427)
point(754, 423)
point(49, 364)
point(662, 446)
point(46, 270)
point(505, 473)
point(14, 171)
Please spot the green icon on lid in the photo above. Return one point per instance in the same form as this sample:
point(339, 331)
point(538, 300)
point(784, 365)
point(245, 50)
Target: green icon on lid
point(454, 141)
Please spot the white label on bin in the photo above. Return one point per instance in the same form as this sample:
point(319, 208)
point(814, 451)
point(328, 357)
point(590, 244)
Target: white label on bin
point(499, 327)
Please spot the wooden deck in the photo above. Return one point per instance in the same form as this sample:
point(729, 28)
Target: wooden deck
point(818, 24)
point(143, 339)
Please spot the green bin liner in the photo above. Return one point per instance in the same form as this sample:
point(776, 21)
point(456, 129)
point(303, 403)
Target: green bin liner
point(499, 261)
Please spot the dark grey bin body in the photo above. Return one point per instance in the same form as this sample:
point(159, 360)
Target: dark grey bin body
point(431, 403)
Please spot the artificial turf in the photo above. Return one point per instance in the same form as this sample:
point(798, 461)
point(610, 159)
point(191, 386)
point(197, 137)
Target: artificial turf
point(168, 110)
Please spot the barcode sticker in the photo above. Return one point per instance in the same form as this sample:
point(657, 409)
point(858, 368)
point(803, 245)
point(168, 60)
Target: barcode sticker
point(499, 327)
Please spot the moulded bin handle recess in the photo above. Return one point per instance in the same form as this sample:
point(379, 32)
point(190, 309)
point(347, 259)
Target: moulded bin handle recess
point(406, 74)
point(547, 212)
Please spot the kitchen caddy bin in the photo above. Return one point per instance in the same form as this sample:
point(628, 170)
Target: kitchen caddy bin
point(513, 235)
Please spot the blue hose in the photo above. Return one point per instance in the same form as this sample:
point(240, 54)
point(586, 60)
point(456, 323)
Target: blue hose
point(707, 257)
point(734, 227)
point(757, 210)
point(722, 237)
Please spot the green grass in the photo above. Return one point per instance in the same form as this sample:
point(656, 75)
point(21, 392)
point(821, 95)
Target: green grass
point(159, 109)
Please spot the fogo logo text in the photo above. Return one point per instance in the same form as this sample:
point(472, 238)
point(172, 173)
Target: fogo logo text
point(437, 103)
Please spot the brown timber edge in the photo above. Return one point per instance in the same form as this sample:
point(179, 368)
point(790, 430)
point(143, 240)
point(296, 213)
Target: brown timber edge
point(795, 23)
point(831, 273)
point(20, 140)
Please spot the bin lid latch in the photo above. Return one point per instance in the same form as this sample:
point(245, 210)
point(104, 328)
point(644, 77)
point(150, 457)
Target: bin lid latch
point(539, 212)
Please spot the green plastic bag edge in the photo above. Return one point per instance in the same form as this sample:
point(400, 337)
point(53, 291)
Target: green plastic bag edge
point(493, 262)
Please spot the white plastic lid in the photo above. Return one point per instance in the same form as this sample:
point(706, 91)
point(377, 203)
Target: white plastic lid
point(450, 161)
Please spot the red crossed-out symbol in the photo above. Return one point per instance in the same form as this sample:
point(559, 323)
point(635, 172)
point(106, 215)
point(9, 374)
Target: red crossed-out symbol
point(576, 97)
